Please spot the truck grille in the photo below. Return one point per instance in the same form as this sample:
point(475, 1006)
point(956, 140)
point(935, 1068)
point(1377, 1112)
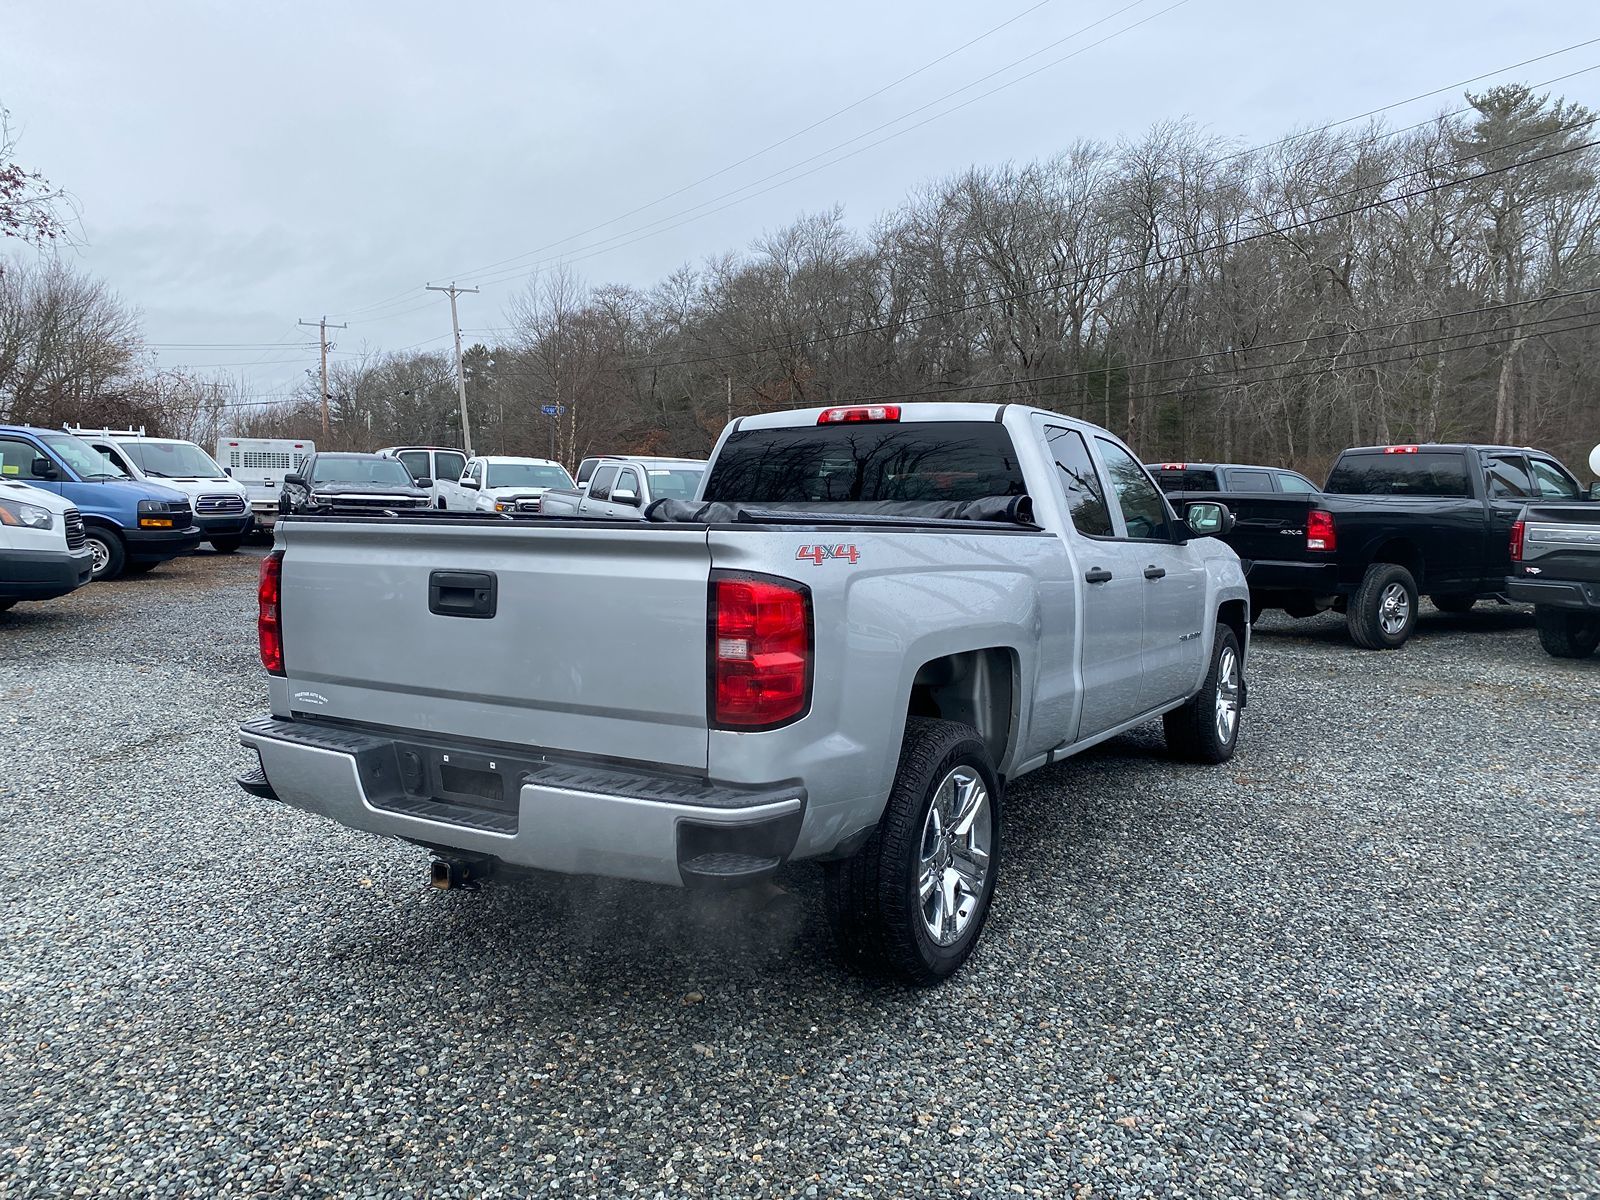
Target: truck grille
point(73, 520)
point(528, 504)
point(212, 506)
point(375, 504)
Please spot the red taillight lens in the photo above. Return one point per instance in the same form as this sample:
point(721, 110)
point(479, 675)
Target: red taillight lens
point(862, 412)
point(269, 628)
point(760, 652)
point(1320, 533)
point(1516, 541)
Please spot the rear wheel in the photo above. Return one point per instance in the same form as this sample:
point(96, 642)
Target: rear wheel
point(106, 554)
point(1565, 634)
point(1383, 612)
point(1206, 729)
point(1454, 604)
point(226, 545)
point(912, 903)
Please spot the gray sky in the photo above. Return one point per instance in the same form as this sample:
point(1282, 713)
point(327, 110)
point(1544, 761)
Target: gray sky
point(241, 166)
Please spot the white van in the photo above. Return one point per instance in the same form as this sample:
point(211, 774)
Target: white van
point(260, 464)
point(42, 549)
point(221, 507)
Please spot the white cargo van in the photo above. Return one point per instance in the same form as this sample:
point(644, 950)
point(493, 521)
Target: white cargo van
point(221, 507)
point(42, 548)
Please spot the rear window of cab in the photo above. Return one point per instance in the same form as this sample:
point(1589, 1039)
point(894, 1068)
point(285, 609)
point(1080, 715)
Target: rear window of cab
point(1419, 473)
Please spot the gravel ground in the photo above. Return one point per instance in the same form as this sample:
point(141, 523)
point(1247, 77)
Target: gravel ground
point(1359, 960)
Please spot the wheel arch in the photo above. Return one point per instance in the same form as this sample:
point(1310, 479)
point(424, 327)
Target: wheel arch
point(1235, 614)
point(1401, 552)
point(976, 687)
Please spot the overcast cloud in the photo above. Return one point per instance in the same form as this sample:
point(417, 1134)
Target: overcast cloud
point(240, 167)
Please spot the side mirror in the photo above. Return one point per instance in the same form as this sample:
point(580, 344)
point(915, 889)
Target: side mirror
point(424, 481)
point(228, 471)
point(625, 498)
point(1594, 491)
point(470, 483)
point(1208, 519)
point(296, 480)
point(43, 468)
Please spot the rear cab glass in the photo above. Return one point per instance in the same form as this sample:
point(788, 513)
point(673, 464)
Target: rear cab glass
point(1172, 477)
point(1441, 473)
point(1241, 479)
point(929, 460)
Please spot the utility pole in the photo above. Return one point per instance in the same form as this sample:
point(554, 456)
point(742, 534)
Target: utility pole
point(730, 399)
point(322, 328)
point(461, 376)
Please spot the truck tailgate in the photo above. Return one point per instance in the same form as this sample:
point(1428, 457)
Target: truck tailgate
point(596, 645)
point(1270, 526)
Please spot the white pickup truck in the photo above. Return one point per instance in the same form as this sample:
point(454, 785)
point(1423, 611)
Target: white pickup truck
point(622, 488)
point(870, 622)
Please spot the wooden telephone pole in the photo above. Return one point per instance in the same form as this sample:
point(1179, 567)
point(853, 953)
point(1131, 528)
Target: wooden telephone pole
point(322, 328)
point(461, 376)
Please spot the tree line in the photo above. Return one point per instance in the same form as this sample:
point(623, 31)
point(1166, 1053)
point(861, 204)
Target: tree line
point(1204, 301)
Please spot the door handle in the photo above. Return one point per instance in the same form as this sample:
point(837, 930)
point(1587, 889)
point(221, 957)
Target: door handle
point(1097, 575)
point(1155, 572)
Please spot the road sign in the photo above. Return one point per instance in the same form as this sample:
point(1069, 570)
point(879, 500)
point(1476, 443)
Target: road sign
point(554, 410)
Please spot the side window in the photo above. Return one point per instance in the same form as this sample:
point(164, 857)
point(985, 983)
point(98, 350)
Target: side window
point(627, 481)
point(448, 466)
point(1144, 512)
point(16, 459)
point(600, 486)
point(1249, 481)
point(116, 459)
point(1288, 481)
point(1551, 481)
point(475, 471)
point(585, 470)
point(1507, 477)
point(1086, 496)
point(416, 461)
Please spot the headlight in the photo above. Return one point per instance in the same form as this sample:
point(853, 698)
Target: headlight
point(30, 516)
point(499, 507)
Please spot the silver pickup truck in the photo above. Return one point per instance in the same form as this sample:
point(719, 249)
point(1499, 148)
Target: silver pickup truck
point(1555, 565)
point(870, 621)
point(622, 488)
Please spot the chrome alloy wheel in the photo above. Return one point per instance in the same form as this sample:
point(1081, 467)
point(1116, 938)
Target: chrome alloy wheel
point(99, 556)
point(953, 870)
point(1227, 694)
point(1394, 609)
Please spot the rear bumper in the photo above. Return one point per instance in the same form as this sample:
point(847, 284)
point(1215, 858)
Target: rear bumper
point(1555, 593)
point(1306, 578)
point(43, 574)
point(524, 809)
point(158, 545)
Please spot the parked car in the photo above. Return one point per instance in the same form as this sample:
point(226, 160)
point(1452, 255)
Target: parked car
point(352, 484)
point(42, 549)
point(1392, 523)
point(761, 677)
point(1227, 477)
point(259, 465)
point(441, 466)
point(1555, 566)
point(624, 487)
point(502, 484)
point(221, 505)
point(129, 524)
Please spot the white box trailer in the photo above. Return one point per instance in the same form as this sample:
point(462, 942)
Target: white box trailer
point(260, 464)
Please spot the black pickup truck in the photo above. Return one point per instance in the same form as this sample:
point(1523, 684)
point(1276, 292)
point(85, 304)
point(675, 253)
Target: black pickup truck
point(1555, 566)
point(1391, 524)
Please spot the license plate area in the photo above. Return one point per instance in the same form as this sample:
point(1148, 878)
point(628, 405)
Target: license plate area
point(477, 790)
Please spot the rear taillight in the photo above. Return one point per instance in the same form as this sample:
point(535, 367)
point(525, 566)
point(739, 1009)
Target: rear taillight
point(1516, 541)
point(760, 651)
point(269, 625)
point(1320, 534)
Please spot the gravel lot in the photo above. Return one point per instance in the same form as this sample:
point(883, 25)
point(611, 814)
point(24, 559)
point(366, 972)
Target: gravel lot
point(1359, 960)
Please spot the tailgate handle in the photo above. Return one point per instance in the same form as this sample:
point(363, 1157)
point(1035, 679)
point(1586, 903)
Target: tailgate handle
point(463, 593)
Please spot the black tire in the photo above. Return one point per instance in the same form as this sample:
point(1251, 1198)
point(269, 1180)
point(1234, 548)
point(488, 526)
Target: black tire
point(873, 899)
point(227, 545)
point(1456, 604)
point(142, 566)
point(110, 557)
point(1565, 634)
point(1301, 608)
point(5, 604)
point(1194, 731)
point(1370, 607)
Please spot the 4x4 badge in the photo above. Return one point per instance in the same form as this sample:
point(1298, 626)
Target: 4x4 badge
point(821, 554)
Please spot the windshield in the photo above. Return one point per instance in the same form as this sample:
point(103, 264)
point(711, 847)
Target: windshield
point(386, 472)
point(932, 460)
point(167, 460)
point(674, 483)
point(85, 461)
point(529, 475)
point(1420, 473)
